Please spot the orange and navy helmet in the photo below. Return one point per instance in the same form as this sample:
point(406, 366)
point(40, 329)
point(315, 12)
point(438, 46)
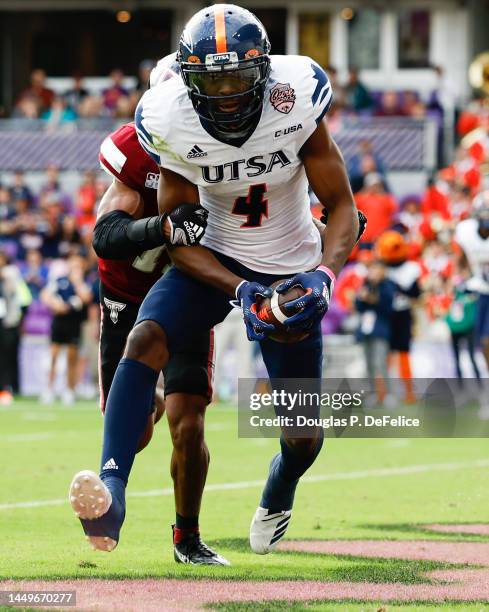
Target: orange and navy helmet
point(225, 64)
point(391, 247)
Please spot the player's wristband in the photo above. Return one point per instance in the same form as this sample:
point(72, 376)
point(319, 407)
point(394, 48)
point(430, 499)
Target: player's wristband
point(328, 271)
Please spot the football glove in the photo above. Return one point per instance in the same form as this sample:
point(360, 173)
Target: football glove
point(309, 309)
point(362, 222)
point(246, 296)
point(187, 225)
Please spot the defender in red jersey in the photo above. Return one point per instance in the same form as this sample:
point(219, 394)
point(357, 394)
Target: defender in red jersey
point(136, 175)
point(124, 283)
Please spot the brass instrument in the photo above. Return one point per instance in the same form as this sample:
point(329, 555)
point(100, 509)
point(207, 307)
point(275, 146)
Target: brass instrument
point(479, 72)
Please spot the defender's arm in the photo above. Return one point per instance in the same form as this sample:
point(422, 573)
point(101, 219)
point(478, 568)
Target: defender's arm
point(120, 232)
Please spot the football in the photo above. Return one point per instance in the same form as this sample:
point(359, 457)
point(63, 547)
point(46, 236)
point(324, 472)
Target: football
point(272, 310)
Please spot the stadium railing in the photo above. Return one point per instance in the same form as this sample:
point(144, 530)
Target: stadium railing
point(404, 144)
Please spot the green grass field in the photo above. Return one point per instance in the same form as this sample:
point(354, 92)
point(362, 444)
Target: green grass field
point(363, 489)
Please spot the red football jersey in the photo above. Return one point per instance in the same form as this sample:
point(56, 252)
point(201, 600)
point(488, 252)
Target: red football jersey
point(121, 156)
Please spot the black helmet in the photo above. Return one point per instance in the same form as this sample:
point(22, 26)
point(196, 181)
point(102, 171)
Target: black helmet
point(225, 46)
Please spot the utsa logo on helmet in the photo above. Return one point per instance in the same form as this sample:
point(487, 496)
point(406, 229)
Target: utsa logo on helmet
point(225, 43)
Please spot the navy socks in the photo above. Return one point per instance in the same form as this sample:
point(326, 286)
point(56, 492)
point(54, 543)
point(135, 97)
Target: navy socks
point(129, 404)
point(285, 470)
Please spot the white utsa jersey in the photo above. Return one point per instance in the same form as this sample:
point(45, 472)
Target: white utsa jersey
point(257, 193)
point(476, 250)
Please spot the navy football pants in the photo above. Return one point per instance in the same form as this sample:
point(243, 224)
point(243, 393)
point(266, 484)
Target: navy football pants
point(185, 308)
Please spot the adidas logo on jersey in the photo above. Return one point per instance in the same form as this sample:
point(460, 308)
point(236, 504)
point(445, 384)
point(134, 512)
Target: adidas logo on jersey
point(110, 465)
point(196, 151)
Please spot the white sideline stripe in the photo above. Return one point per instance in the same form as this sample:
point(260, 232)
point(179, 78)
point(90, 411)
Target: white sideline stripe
point(36, 435)
point(249, 484)
point(28, 437)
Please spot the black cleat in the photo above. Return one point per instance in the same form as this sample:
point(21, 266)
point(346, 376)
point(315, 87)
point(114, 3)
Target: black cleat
point(192, 550)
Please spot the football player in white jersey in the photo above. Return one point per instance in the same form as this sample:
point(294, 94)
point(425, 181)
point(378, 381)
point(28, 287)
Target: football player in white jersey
point(472, 235)
point(242, 133)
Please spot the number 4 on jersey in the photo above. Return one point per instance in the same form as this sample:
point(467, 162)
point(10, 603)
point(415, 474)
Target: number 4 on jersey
point(254, 206)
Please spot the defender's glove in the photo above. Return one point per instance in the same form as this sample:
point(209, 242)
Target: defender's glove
point(311, 307)
point(187, 225)
point(246, 296)
point(362, 222)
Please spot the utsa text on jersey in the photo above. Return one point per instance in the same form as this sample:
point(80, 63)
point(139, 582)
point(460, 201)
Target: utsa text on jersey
point(217, 174)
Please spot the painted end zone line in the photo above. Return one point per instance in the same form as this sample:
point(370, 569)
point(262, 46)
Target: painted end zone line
point(249, 484)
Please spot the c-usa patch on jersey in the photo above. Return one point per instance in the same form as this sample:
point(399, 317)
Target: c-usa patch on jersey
point(282, 97)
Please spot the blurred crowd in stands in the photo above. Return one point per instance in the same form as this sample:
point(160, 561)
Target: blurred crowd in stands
point(353, 96)
point(38, 101)
point(40, 231)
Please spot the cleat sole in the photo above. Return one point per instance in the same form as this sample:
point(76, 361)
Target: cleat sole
point(83, 485)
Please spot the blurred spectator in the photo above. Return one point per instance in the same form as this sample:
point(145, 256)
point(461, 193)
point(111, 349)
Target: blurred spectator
point(52, 187)
point(435, 207)
point(362, 163)
point(19, 190)
point(5, 203)
point(124, 108)
point(35, 272)
point(14, 299)
point(52, 205)
point(378, 206)
point(444, 97)
point(70, 239)
point(91, 107)
point(438, 259)
point(52, 180)
point(28, 233)
point(74, 96)
point(67, 297)
point(58, 114)
point(390, 105)
point(339, 93)
point(357, 95)
point(144, 72)
point(26, 108)
point(112, 94)
point(410, 216)
point(460, 319)
point(410, 102)
point(460, 202)
point(351, 279)
point(374, 303)
point(85, 201)
point(38, 91)
point(101, 185)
